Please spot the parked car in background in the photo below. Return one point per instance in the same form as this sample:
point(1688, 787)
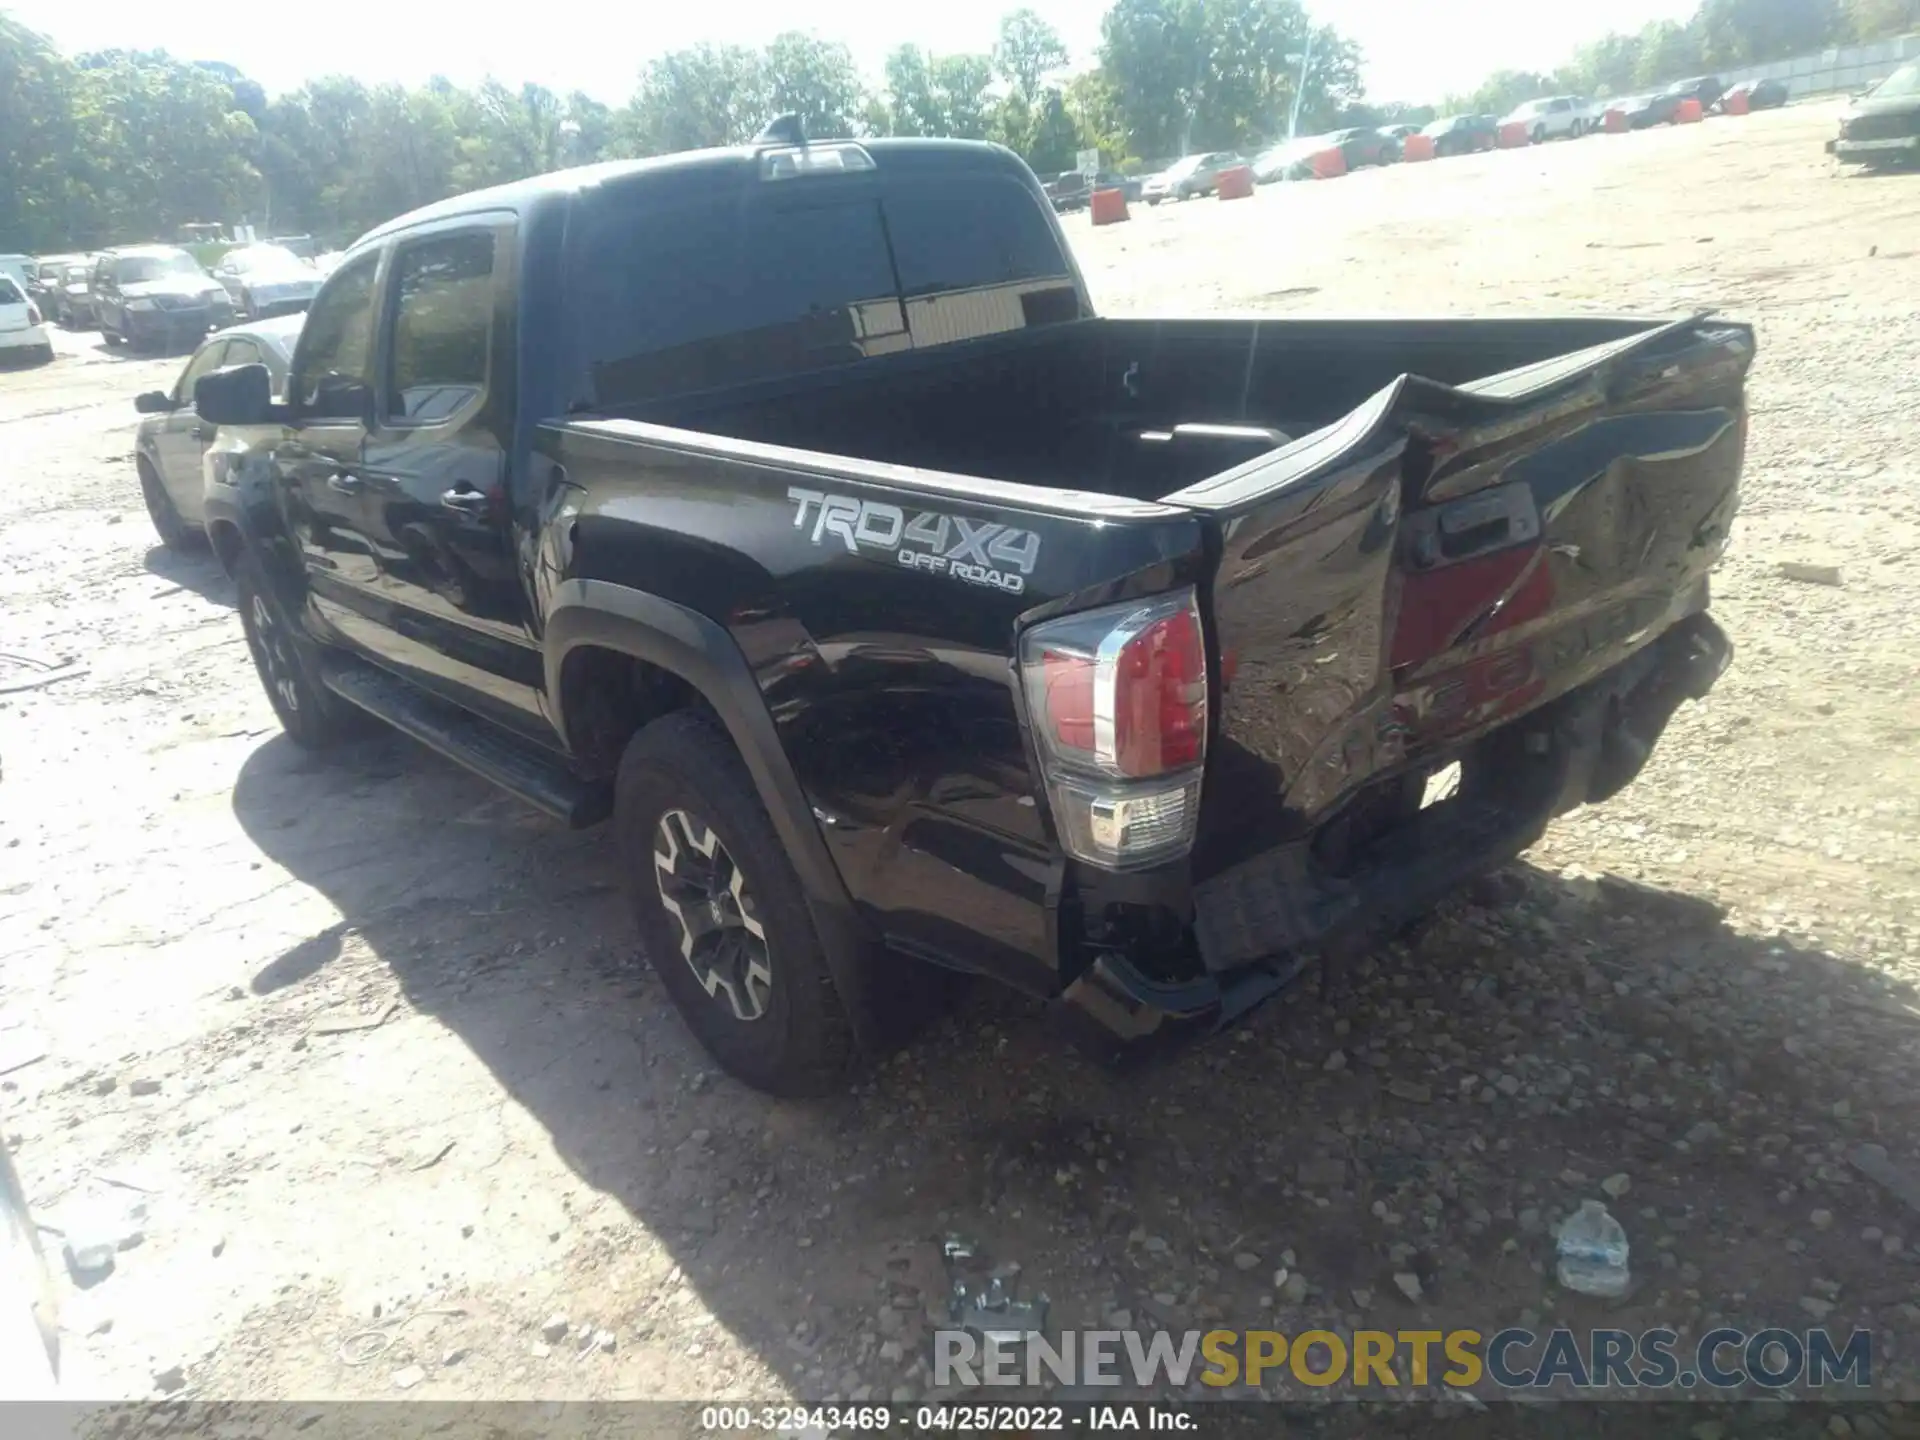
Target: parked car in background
point(1071, 191)
point(1552, 117)
point(305, 246)
point(1704, 88)
point(1464, 134)
point(156, 295)
point(1761, 94)
point(264, 280)
point(1289, 160)
point(1645, 111)
point(22, 328)
point(1364, 146)
point(73, 302)
point(172, 441)
point(18, 268)
point(1882, 127)
point(327, 262)
point(1195, 175)
point(1129, 186)
point(43, 284)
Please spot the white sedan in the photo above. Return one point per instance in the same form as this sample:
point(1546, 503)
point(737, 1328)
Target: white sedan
point(22, 328)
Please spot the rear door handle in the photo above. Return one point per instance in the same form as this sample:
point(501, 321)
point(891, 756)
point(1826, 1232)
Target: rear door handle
point(467, 502)
point(344, 483)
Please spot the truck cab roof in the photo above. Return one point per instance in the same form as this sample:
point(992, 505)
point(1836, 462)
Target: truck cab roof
point(730, 165)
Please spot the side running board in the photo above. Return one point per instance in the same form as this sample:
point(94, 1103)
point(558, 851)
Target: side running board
point(491, 753)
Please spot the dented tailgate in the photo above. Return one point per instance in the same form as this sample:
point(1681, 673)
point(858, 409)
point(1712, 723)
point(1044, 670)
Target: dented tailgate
point(1447, 558)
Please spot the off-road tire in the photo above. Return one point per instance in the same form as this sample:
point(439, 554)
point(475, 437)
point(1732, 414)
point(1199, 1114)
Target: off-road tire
point(802, 1042)
point(288, 664)
point(173, 531)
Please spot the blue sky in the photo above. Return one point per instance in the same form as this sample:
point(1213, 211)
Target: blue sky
point(1416, 50)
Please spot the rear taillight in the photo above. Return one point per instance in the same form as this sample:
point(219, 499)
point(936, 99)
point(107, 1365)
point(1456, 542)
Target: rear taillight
point(1118, 702)
point(33, 313)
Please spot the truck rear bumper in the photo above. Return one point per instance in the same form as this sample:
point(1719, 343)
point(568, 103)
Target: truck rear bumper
point(1259, 923)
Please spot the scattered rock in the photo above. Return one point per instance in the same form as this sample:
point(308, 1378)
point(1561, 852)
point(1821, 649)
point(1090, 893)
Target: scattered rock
point(1821, 1219)
point(555, 1329)
point(1616, 1185)
point(1336, 1061)
point(1409, 1284)
point(1294, 1292)
point(409, 1377)
point(219, 1247)
point(605, 1341)
point(1810, 574)
point(1247, 1260)
point(1119, 1319)
point(143, 1087)
point(1362, 1298)
point(540, 1350)
point(1816, 1307)
point(1409, 1090)
point(893, 1352)
point(1702, 1132)
point(88, 1263)
point(455, 1355)
point(170, 1380)
point(105, 1085)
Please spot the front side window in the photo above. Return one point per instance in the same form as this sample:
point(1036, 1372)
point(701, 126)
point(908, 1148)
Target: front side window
point(333, 366)
point(10, 293)
point(442, 326)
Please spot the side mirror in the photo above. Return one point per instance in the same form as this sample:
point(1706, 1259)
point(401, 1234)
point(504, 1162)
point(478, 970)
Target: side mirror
point(240, 395)
point(153, 402)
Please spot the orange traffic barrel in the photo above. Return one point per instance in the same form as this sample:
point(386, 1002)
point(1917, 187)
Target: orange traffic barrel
point(1688, 112)
point(1735, 103)
point(1616, 122)
point(1108, 206)
point(1417, 147)
point(1235, 183)
point(1329, 164)
point(1513, 135)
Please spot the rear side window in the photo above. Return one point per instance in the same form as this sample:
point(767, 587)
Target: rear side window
point(442, 326)
point(775, 282)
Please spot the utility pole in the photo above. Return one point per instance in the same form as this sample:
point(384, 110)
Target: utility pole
point(1305, 58)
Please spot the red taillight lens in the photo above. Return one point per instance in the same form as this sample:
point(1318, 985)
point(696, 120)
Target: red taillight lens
point(1160, 698)
point(1118, 702)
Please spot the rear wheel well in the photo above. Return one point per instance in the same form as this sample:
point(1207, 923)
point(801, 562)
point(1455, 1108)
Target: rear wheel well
point(607, 695)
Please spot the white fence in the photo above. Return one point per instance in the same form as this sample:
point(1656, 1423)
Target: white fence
point(1853, 67)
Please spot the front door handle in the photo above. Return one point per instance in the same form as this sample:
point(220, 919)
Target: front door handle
point(467, 502)
point(346, 484)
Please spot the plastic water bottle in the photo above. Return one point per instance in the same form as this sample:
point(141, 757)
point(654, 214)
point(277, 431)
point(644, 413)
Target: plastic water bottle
point(1593, 1252)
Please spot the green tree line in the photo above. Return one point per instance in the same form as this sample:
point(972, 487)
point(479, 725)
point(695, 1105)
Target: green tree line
point(118, 146)
point(1720, 35)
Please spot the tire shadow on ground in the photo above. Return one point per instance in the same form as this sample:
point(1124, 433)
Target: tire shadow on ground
point(1461, 1089)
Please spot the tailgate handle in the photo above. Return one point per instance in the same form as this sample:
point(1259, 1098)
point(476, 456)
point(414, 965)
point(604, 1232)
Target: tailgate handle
point(1491, 520)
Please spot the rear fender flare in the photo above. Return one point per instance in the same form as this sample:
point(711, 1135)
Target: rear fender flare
point(699, 651)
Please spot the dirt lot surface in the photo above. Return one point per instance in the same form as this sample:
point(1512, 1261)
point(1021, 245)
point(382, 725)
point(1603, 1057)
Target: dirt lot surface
point(373, 1048)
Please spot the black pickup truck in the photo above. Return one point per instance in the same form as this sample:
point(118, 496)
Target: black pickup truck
point(790, 505)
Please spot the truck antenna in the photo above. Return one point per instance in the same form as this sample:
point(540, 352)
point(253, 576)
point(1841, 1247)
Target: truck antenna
point(782, 130)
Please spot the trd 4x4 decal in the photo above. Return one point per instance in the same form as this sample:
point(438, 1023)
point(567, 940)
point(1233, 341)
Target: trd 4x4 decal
point(980, 552)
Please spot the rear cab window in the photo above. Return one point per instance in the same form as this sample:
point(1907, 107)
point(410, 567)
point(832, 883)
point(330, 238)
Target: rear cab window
point(790, 276)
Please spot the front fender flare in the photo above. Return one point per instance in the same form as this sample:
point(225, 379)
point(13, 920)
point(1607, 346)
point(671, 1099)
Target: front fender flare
point(700, 651)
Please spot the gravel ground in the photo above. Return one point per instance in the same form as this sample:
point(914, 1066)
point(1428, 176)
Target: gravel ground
point(370, 1046)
